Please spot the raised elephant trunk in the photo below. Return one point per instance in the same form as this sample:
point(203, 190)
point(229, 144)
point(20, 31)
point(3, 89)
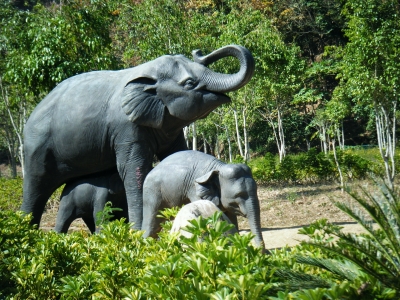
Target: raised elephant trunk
point(222, 83)
point(253, 215)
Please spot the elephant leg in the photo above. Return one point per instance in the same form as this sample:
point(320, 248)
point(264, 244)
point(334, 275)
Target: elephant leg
point(98, 207)
point(89, 221)
point(151, 224)
point(36, 192)
point(233, 218)
point(66, 214)
point(152, 204)
point(133, 170)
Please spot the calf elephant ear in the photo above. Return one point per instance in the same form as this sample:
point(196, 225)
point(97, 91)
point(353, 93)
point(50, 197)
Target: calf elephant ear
point(207, 187)
point(141, 104)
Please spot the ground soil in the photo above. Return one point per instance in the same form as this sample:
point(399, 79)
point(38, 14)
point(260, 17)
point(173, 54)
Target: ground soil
point(292, 206)
point(281, 207)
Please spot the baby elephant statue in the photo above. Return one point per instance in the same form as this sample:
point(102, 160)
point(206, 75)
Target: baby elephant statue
point(188, 176)
point(84, 198)
point(191, 211)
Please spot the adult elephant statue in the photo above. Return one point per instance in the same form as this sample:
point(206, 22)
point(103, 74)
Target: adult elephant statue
point(100, 120)
point(190, 176)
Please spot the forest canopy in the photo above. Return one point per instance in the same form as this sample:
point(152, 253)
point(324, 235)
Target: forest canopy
point(327, 72)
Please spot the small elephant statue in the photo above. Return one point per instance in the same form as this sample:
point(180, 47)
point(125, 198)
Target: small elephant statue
point(103, 120)
point(189, 176)
point(191, 211)
point(84, 198)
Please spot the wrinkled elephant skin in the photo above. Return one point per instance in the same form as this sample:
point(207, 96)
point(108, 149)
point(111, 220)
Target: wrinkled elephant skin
point(106, 120)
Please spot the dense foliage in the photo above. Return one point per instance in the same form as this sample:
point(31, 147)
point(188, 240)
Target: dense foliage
point(314, 82)
point(118, 263)
point(327, 75)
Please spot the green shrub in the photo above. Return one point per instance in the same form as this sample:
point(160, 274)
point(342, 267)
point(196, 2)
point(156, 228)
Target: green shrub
point(118, 263)
point(10, 193)
point(314, 166)
point(264, 168)
point(353, 165)
point(17, 240)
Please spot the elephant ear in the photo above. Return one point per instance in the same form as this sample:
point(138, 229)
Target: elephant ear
point(207, 187)
point(141, 104)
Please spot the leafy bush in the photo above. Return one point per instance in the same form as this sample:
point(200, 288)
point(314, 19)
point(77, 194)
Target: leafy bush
point(11, 194)
point(118, 263)
point(17, 238)
point(311, 166)
point(264, 168)
point(353, 165)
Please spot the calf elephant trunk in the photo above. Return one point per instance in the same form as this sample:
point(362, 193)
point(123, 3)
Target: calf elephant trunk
point(253, 215)
point(223, 83)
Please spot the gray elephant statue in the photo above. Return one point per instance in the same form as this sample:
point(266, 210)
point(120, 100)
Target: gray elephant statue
point(189, 176)
point(102, 120)
point(86, 197)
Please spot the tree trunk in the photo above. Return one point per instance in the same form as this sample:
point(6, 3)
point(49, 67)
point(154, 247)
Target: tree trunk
point(13, 131)
point(217, 144)
point(282, 152)
point(342, 145)
point(185, 134)
point(278, 132)
point(204, 143)
point(238, 141)
point(308, 144)
point(13, 167)
point(386, 135)
point(246, 156)
point(194, 136)
point(338, 165)
point(229, 144)
point(324, 140)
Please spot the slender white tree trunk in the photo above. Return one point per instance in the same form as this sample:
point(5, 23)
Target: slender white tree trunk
point(217, 150)
point(324, 139)
point(246, 156)
point(386, 135)
point(308, 144)
point(338, 165)
point(278, 132)
point(217, 146)
point(229, 143)
point(238, 137)
point(342, 144)
point(282, 152)
point(194, 136)
point(17, 129)
point(185, 134)
point(204, 143)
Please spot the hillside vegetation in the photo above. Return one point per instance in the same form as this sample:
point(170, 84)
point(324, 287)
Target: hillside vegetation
point(320, 81)
point(321, 109)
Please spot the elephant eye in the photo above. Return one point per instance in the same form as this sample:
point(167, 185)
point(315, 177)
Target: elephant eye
point(242, 195)
point(190, 83)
